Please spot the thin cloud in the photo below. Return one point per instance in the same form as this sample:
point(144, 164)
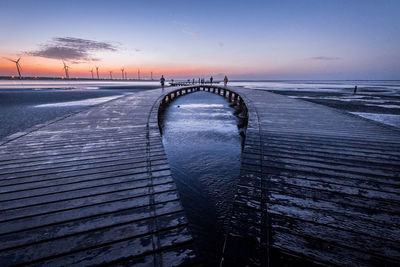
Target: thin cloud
point(324, 58)
point(70, 48)
point(191, 33)
point(221, 44)
point(185, 28)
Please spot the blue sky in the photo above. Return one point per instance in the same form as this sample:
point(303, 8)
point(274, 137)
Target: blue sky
point(244, 39)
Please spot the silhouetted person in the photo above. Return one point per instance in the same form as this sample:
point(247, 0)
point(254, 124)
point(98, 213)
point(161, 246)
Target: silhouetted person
point(193, 80)
point(355, 90)
point(211, 79)
point(225, 81)
point(162, 81)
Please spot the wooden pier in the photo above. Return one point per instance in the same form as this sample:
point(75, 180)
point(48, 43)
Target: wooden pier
point(317, 186)
point(191, 83)
point(92, 188)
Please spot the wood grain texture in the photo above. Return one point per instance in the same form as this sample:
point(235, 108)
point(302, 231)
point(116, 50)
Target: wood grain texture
point(92, 188)
point(317, 186)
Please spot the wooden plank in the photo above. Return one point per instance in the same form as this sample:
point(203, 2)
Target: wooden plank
point(311, 177)
point(316, 185)
point(93, 183)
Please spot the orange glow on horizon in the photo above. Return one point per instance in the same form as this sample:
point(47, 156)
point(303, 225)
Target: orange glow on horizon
point(32, 66)
point(42, 67)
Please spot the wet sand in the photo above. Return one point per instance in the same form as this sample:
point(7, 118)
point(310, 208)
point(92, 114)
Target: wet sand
point(375, 100)
point(378, 107)
point(22, 108)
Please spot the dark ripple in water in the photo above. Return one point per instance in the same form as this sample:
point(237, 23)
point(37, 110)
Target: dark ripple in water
point(203, 145)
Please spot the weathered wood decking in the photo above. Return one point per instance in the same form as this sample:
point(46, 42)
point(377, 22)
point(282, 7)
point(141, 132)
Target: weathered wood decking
point(316, 185)
point(92, 188)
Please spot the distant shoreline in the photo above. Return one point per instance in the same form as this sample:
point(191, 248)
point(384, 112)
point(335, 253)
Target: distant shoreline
point(29, 78)
point(9, 78)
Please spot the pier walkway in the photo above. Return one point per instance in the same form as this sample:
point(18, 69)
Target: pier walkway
point(317, 186)
point(92, 188)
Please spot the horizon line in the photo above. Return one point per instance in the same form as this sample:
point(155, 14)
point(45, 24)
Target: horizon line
point(10, 77)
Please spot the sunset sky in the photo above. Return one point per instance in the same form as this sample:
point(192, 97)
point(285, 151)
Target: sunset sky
point(341, 39)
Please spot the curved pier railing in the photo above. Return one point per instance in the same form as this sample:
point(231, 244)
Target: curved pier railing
point(316, 186)
point(233, 97)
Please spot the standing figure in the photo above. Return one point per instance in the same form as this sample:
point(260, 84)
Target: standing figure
point(162, 81)
point(225, 81)
point(211, 79)
point(355, 90)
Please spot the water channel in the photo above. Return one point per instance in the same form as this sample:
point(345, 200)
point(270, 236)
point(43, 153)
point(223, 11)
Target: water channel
point(203, 146)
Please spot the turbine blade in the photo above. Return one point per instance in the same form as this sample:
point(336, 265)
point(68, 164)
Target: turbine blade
point(10, 59)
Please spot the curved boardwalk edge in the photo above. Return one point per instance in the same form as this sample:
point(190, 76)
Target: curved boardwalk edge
point(317, 186)
point(92, 188)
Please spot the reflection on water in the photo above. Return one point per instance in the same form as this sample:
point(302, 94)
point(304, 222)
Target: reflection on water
point(86, 102)
point(390, 87)
point(23, 108)
point(76, 84)
point(203, 145)
point(375, 100)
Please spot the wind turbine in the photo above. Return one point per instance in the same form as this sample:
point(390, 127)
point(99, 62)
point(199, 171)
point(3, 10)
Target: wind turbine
point(138, 74)
point(66, 69)
point(122, 70)
point(91, 71)
point(110, 74)
point(17, 64)
point(97, 71)
point(151, 75)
